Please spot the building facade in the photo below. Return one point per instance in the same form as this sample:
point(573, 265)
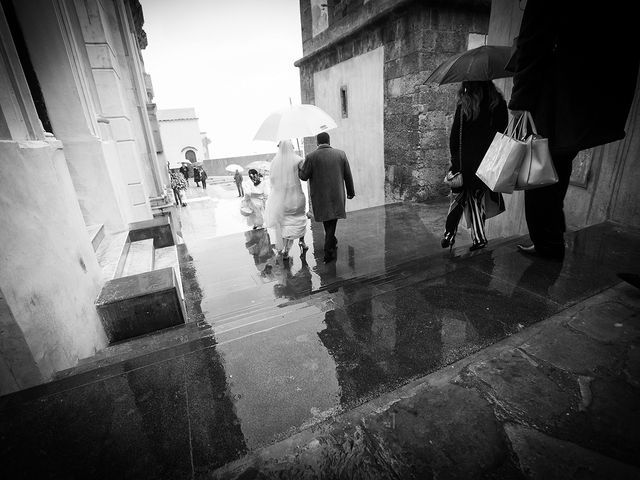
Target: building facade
point(77, 156)
point(181, 137)
point(365, 63)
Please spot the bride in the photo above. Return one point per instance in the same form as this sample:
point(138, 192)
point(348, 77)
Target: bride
point(285, 210)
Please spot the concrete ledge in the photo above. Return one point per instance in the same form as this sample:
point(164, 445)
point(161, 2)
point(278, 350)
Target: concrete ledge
point(139, 304)
point(158, 228)
point(96, 234)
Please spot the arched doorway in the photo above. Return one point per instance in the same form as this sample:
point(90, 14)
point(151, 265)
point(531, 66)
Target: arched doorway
point(190, 155)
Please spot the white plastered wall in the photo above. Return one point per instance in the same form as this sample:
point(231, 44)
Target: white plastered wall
point(361, 134)
point(49, 275)
point(177, 135)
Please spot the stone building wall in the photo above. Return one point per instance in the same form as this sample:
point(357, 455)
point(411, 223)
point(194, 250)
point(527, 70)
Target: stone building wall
point(417, 37)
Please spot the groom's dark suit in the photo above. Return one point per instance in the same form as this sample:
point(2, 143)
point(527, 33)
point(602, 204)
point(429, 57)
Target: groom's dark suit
point(328, 172)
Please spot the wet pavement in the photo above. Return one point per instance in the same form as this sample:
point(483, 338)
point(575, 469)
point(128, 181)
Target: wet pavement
point(558, 400)
point(283, 349)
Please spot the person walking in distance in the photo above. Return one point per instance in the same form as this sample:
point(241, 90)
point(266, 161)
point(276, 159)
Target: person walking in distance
point(578, 89)
point(237, 177)
point(196, 176)
point(203, 177)
point(184, 170)
point(328, 172)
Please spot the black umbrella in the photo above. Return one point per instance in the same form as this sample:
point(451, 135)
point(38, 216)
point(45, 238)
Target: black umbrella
point(482, 63)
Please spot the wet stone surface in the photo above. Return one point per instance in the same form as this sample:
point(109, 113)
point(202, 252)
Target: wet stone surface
point(298, 346)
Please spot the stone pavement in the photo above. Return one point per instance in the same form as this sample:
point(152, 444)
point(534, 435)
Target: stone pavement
point(400, 360)
point(558, 400)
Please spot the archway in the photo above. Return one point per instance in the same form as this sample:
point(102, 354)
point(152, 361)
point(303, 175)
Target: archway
point(190, 155)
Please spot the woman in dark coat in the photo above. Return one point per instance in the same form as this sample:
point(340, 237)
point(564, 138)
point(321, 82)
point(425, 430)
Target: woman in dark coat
point(481, 112)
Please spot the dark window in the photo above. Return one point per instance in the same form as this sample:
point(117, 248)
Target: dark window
point(344, 104)
point(27, 67)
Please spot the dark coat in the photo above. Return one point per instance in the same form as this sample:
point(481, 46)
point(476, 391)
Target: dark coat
point(328, 172)
point(576, 66)
point(184, 170)
point(196, 174)
point(477, 135)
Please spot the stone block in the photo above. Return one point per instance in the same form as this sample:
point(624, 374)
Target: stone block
point(543, 457)
point(393, 68)
point(159, 229)
point(110, 92)
point(451, 42)
point(441, 18)
point(611, 322)
point(140, 304)
point(522, 389)
point(571, 351)
point(443, 432)
point(434, 139)
point(410, 63)
point(102, 56)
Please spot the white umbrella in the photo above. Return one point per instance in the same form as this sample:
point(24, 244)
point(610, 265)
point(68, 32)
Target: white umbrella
point(259, 165)
point(295, 121)
point(232, 167)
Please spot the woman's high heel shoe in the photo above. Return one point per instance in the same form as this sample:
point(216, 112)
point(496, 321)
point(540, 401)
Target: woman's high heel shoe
point(448, 240)
point(477, 246)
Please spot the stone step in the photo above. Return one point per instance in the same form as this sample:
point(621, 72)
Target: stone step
point(168, 257)
point(139, 346)
point(114, 366)
point(139, 258)
point(111, 253)
point(96, 235)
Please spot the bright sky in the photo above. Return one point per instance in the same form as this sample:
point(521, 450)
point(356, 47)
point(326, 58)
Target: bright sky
point(232, 60)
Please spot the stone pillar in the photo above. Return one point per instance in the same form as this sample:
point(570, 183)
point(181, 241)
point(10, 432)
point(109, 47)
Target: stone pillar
point(135, 39)
point(114, 57)
point(49, 275)
point(51, 33)
point(99, 38)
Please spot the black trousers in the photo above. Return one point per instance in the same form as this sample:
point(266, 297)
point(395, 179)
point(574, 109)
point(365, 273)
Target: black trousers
point(330, 240)
point(240, 189)
point(544, 208)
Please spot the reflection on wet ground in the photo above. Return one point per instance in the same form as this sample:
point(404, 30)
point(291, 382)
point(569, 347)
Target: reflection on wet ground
point(300, 342)
point(274, 347)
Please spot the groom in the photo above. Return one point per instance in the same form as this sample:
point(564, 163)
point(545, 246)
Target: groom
point(328, 172)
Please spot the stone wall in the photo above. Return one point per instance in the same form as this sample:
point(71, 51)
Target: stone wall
point(49, 275)
point(417, 37)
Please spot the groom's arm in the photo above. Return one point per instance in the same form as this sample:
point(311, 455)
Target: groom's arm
point(305, 170)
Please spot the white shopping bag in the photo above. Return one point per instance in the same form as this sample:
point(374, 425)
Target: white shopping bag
point(501, 164)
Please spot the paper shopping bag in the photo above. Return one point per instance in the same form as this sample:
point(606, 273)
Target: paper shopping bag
point(537, 168)
point(501, 163)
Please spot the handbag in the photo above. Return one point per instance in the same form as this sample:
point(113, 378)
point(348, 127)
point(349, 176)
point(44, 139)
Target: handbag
point(537, 169)
point(454, 180)
point(501, 163)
